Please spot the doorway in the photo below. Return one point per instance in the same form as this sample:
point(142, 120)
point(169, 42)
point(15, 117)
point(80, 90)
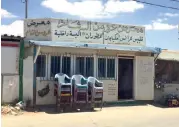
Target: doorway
point(125, 78)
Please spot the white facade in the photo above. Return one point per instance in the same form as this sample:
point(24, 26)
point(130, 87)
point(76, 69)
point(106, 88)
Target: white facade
point(9, 73)
point(61, 30)
point(9, 58)
point(143, 75)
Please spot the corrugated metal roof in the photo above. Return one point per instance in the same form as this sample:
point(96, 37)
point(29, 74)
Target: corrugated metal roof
point(169, 55)
point(96, 46)
point(12, 38)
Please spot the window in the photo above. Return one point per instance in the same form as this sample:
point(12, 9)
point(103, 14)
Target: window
point(66, 65)
point(102, 67)
point(80, 65)
point(41, 66)
point(89, 66)
point(110, 68)
point(106, 67)
point(55, 65)
point(85, 66)
point(60, 64)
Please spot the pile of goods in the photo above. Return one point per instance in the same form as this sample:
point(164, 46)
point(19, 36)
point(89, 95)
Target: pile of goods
point(12, 110)
point(77, 92)
point(172, 100)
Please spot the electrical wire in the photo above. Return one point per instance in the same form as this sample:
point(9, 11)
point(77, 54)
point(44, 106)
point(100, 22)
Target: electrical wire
point(158, 5)
point(175, 0)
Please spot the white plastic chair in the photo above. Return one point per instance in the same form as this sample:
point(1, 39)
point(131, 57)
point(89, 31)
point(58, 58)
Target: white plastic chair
point(77, 80)
point(61, 81)
point(79, 87)
point(61, 78)
point(96, 87)
point(96, 83)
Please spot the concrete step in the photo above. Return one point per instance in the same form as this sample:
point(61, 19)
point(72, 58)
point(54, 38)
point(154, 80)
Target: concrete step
point(126, 103)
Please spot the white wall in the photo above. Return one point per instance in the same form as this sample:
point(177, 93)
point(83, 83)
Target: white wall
point(28, 78)
point(10, 88)
point(144, 78)
point(9, 65)
point(110, 90)
point(47, 99)
point(142, 90)
point(9, 59)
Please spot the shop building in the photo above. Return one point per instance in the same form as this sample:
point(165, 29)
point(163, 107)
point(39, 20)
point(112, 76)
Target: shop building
point(115, 54)
point(9, 67)
point(167, 72)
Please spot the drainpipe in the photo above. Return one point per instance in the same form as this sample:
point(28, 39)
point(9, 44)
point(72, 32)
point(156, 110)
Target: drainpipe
point(34, 75)
point(21, 57)
point(154, 64)
point(156, 57)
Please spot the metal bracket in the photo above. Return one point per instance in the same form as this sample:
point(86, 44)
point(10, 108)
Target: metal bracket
point(38, 51)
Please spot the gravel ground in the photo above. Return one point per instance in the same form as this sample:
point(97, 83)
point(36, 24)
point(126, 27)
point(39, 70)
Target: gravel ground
point(134, 116)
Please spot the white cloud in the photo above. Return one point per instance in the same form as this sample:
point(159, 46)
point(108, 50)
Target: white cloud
point(6, 14)
point(171, 14)
point(92, 8)
point(160, 20)
point(160, 26)
point(16, 28)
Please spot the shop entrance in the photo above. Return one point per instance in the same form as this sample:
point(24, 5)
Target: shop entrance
point(125, 78)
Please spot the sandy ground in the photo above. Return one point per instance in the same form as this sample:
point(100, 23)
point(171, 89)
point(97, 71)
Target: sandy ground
point(135, 116)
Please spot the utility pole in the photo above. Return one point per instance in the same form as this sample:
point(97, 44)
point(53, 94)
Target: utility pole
point(26, 8)
point(21, 57)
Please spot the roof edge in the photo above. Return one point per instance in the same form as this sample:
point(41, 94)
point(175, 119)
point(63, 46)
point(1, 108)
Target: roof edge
point(96, 46)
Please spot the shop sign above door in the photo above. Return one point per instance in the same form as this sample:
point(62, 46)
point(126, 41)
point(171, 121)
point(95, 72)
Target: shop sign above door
point(85, 31)
point(96, 32)
point(37, 29)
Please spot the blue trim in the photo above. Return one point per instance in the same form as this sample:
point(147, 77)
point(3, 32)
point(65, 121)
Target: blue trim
point(97, 46)
point(34, 76)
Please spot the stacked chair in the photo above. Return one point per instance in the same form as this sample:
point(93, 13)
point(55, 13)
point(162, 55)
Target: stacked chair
point(77, 92)
point(96, 92)
point(63, 92)
point(80, 91)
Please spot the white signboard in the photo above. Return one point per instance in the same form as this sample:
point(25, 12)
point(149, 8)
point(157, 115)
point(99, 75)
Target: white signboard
point(95, 32)
point(37, 29)
point(83, 31)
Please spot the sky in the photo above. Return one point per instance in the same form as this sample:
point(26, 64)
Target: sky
point(161, 24)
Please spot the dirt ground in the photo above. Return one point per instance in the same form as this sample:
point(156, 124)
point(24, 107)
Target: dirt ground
point(134, 116)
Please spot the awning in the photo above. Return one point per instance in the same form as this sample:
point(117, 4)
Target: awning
point(96, 46)
point(169, 55)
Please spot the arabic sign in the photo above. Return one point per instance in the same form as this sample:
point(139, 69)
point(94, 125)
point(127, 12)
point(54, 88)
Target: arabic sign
point(95, 32)
point(111, 89)
point(37, 29)
point(83, 31)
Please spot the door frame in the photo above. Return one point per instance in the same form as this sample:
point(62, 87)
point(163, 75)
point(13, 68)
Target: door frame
point(132, 57)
